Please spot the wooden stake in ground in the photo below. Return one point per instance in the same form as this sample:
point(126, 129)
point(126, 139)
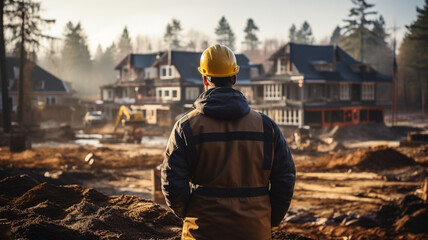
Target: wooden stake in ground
point(425, 190)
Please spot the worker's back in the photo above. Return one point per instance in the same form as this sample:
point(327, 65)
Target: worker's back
point(231, 169)
point(227, 170)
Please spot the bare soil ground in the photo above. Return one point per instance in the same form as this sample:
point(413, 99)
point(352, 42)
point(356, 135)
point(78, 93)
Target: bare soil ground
point(53, 193)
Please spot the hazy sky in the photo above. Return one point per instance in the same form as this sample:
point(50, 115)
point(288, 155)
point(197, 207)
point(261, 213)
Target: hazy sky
point(104, 20)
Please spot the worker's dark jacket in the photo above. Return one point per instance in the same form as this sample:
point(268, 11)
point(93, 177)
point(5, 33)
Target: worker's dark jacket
point(239, 167)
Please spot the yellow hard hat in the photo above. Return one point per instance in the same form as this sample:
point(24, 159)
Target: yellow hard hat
point(218, 61)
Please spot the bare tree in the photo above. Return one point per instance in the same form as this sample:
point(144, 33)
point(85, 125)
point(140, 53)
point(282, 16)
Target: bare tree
point(26, 25)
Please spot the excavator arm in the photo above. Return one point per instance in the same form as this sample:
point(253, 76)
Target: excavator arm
point(134, 118)
point(123, 111)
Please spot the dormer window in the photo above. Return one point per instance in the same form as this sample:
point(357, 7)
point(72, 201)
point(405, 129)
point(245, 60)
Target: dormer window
point(124, 73)
point(39, 85)
point(280, 67)
point(323, 66)
point(166, 72)
point(362, 68)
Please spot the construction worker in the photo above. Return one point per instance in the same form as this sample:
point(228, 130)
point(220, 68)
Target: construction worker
point(228, 172)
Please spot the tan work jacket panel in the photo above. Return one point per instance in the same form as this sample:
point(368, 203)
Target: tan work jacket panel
point(230, 200)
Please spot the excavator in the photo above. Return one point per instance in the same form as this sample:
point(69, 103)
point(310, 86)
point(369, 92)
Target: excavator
point(134, 119)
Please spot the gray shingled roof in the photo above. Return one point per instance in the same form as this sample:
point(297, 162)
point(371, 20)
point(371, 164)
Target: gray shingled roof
point(304, 56)
point(187, 64)
point(144, 60)
point(51, 83)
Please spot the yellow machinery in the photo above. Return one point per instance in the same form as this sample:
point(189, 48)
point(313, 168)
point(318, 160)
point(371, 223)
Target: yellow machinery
point(131, 118)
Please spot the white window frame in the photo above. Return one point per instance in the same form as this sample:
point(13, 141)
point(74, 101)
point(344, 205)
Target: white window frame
point(149, 73)
point(110, 94)
point(163, 91)
point(125, 76)
point(280, 69)
point(169, 72)
point(41, 86)
point(16, 72)
point(344, 92)
point(131, 75)
point(272, 92)
point(192, 93)
point(48, 100)
point(368, 91)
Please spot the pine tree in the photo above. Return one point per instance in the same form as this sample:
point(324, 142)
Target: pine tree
point(124, 46)
point(104, 62)
point(251, 41)
point(357, 31)
point(172, 35)
point(380, 54)
point(292, 34)
point(413, 63)
point(25, 24)
point(225, 34)
point(76, 60)
point(302, 36)
point(335, 36)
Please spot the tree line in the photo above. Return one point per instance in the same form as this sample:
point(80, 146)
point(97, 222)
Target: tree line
point(364, 36)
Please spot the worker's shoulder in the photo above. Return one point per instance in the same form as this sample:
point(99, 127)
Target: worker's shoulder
point(267, 120)
point(264, 116)
point(187, 116)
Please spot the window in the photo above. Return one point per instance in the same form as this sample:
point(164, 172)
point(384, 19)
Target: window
point(272, 91)
point(50, 100)
point(16, 72)
point(168, 93)
point(363, 115)
point(368, 91)
point(336, 116)
point(166, 72)
point(35, 100)
point(327, 116)
point(150, 73)
point(313, 117)
point(344, 92)
point(39, 85)
point(280, 67)
point(348, 116)
point(124, 74)
point(324, 67)
point(192, 93)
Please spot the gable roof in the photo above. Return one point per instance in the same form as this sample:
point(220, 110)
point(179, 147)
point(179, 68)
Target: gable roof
point(187, 64)
point(305, 56)
point(144, 60)
point(139, 60)
point(38, 74)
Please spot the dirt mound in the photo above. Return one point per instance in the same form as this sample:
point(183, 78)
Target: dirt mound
point(15, 186)
point(362, 132)
point(376, 158)
point(65, 196)
point(48, 211)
